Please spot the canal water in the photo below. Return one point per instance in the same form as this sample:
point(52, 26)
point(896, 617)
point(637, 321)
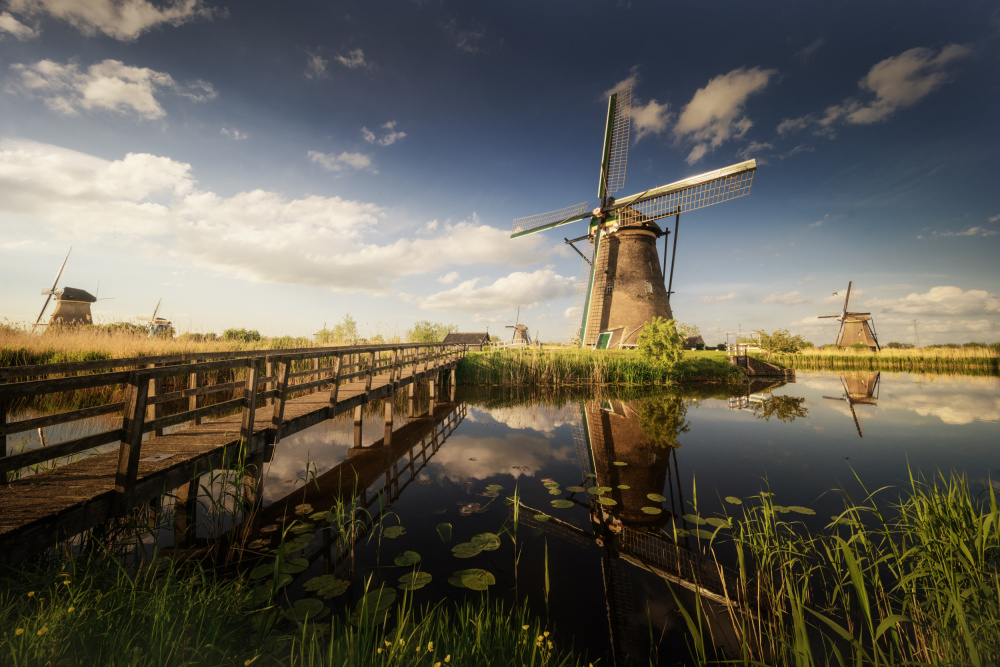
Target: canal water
point(597, 563)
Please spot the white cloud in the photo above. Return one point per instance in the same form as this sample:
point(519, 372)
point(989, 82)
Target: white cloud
point(630, 80)
point(109, 85)
point(971, 231)
point(448, 278)
point(354, 59)
point(896, 83)
point(718, 299)
point(715, 114)
point(339, 162)
point(818, 223)
point(154, 205)
point(651, 118)
point(994, 218)
point(788, 299)
point(233, 133)
point(120, 19)
point(466, 40)
point(316, 65)
point(519, 288)
point(943, 300)
point(805, 54)
point(388, 138)
point(11, 25)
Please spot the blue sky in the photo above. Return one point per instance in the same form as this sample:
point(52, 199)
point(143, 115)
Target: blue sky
point(277, 165)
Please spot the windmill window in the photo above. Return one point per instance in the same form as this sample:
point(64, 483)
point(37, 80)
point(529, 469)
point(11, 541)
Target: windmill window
point(649, 287)
point(609, 287)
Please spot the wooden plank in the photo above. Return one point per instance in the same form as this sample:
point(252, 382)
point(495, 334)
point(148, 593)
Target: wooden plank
point(39, 387)
point(193, 392)
point(60, 418)
point(42, 454)
point(180, 418)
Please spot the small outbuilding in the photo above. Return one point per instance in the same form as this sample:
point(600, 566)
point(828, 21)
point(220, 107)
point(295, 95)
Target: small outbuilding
point(692, 343)
point(473, 340)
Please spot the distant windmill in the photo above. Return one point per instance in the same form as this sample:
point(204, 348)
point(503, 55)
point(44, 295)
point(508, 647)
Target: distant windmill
point(72, 304)
point(854, 327)
point(620, 288)
point(520, 335)
point(160, 325)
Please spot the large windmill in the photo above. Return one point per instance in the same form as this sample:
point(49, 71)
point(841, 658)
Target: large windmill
point(622, 284)
point(854, 327)
point(72, 304)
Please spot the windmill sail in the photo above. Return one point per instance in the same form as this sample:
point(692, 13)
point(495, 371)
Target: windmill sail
point(51, 292)
point(713, 187)
point(536, 223)
point(615, 156)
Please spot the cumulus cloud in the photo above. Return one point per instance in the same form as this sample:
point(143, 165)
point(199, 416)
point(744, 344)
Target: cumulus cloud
point(943, 300)
point(630, 80)
point(390, 135)
point(519, 288)
point(315, 65)
point(121, 19)
point(788, 299)
point(716, 112)
point(154, 204)
point(339, 162)
point(109, 85)
point(353, 59)
point(448, 278)
point(233, 133)
point(890, 85)
point(12, 26)
point(651, 118)
point(708, 298)
point(994, 218)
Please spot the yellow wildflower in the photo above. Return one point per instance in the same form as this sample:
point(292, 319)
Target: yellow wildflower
point(437, 664)
point(71, 609)
point(430, 646)
point(524, 627)
point(387, 642)
point(43, 631)
point(31, 594)
point(545, 634)
point(19, 632)
point(66, 582)
point(447, 658)
point(379, 651)
point(550, 644)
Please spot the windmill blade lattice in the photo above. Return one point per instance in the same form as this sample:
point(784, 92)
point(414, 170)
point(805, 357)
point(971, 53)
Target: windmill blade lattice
point(534, 223)
point(706, 189)
point(614, 179)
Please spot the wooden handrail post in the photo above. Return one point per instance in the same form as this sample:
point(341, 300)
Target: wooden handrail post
point(194, 402)
point(335, 389)
point(279, 403)
point(155, 411)
point(394, 372)
point(133, 420)
point(427, 358)
point(314, 376)
point(249, 404)
point(371, 371)
point(3, 422)
point(269, 372)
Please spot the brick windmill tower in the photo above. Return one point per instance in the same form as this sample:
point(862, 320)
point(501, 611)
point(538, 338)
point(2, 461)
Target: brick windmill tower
point(621, 284)
point(854, 327)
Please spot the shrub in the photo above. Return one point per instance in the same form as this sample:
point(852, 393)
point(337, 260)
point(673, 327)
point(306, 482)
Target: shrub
point(242, 335)
point(660, 343)
point(779, 342)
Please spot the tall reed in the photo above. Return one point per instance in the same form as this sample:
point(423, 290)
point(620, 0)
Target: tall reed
point(965, 360)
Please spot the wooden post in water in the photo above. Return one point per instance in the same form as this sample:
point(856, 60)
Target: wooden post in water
point(357, 426)
point(185, 514)
point(432, 390)
point(133, 421)
point(411, 408)
point(387, 437)
point(279, 403)
point(249, 404)
point(371, 372)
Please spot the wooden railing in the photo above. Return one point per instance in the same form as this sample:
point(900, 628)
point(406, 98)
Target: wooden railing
point(287, 373)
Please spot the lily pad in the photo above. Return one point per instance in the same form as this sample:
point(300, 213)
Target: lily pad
point(551, 485)
point(703, 534)
point(607, 501)
point(695, 519)
point(656, 497)
point(596, 490)
point(466, 550)
point(303, 509)
point(575, 489)
point(624, 487)
point(494, 487)
point(444, 532)
point(541, 518)
point(320, 516)
point(393, 532)
point(327, 585)
point(562, 503)
point(414, 580)
point(476, 579)
point(294, 565)
point(486, 541)
point(262, 570)
point(306, 609)
point(652, 510)
point(733, 500)
point(800, 510)
point(620, 463)
point(718, 523)
point(592, 475)
point(456, 581)
point(407, 559)
point(780, 509)
point(555, 491)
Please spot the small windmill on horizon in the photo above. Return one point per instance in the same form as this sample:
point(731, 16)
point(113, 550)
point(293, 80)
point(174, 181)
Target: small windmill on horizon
point(72, 303)
point(622, 286)
point(854, 327)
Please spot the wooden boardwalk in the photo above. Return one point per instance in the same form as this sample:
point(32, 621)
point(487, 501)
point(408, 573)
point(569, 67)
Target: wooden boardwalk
point(37, 511)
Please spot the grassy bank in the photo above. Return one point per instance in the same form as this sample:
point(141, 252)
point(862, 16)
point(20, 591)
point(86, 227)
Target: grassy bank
point(573, 367)
point(977, 360)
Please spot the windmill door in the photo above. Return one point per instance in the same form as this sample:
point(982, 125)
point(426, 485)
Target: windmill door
point(602, 340)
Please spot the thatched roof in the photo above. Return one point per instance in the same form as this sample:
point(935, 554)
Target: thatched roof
point(467, 338)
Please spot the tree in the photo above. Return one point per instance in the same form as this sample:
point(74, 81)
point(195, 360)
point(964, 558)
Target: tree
point(241, 335)
point(346, 331)
point(688, 330)
point(663, 420)
point(784, 408)
point(429, 332)
point(779, 342)
point(660, 343)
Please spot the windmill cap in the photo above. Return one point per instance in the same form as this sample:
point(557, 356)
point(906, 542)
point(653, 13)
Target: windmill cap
point(73, 294)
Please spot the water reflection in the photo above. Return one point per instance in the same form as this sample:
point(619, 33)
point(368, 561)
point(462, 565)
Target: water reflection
point(859, 389)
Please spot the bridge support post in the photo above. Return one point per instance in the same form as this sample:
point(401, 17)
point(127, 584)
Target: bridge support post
point(185, 514)
point(249, 405)
point(411, 408)
point(432, 390)
point(279, 403)
point(194, 402)
point(337, 363)
point(357, 426)
point(155, 410)
point(389, 404)
point(269, 372)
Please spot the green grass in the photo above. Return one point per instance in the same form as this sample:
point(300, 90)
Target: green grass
point(915, 580)
point(975, 360)
point(569, 367)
